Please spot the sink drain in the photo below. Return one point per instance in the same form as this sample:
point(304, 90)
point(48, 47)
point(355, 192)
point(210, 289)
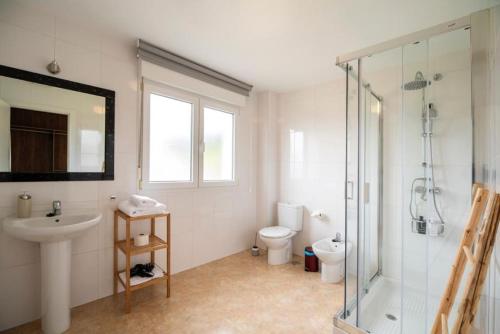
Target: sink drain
point(390, 317)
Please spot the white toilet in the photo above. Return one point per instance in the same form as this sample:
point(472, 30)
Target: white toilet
point(332, 254)
point(278, 239)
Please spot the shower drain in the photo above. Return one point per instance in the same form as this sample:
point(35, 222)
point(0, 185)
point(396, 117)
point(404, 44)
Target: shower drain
point(390, 317)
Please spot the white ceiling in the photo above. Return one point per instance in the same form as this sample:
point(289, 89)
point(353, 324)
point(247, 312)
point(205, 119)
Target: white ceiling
point(279, 45)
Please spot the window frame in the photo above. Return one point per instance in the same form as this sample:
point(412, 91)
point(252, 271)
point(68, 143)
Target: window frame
point(198, 103)
point(172, 93)
point(222, 107)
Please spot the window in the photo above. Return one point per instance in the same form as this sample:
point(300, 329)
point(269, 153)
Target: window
point(218, 148)
point(170, 138)
point(91, 150)
point(187, 140)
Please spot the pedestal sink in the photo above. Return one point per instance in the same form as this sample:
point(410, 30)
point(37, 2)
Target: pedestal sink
point(55, 235)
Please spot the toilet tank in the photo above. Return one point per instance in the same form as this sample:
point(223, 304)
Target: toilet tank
point(290, 215)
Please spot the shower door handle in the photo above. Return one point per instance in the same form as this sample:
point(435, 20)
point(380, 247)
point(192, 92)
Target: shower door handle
point(349, 190)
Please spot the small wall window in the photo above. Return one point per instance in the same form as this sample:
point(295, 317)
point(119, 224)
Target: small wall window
point(187, 140)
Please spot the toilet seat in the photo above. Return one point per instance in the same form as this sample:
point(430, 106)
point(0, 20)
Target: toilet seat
point(275, 232)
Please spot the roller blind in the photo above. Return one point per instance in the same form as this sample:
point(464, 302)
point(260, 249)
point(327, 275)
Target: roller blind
point(161, 57)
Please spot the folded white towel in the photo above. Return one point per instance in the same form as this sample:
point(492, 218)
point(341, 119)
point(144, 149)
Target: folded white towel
point(134, 211)
point(142, 201)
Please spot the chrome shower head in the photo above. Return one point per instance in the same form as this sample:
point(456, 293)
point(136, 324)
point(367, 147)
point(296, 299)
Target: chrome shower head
point(416, 84)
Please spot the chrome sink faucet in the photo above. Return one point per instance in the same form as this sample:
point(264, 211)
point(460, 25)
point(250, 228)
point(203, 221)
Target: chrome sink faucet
point(56, 209)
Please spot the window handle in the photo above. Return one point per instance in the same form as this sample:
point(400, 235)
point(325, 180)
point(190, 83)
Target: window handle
point(202, 147)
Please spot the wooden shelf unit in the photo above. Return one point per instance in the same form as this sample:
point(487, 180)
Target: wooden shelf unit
point(155, 243)
point(128, 248)
point(144, 284)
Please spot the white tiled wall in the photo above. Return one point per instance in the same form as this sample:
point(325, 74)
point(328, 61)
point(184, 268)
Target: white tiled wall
point(301, 141)
point(311, 157)
point(268, 157)
point(207, 224)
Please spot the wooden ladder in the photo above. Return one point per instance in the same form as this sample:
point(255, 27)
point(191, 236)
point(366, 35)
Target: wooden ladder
point(479, 259)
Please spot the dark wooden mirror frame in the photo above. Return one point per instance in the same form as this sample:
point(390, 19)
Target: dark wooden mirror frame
point(109, 139)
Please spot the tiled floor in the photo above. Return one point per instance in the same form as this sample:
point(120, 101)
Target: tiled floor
point(237, 294)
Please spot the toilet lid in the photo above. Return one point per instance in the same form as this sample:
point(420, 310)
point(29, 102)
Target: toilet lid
point(275, 232)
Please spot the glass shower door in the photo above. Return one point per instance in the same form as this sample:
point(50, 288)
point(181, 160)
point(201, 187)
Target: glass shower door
point(450, 153)
point(414, 203)
point(363, 191)
point(436, 170)
point(409, 175)
point(372, 177)
point(351, 295)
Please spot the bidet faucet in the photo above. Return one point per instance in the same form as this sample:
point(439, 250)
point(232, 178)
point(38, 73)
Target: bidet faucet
point(56, 209)
point(338, 237)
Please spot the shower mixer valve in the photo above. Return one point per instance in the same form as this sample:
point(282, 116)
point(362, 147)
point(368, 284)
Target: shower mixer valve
point(435, 190)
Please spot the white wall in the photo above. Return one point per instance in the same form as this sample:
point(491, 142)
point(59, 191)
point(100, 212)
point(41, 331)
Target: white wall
point(207, 223)
point(311, 157)
point(268, 158)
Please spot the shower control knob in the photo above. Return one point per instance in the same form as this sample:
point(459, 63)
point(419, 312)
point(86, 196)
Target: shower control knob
point(435, 190)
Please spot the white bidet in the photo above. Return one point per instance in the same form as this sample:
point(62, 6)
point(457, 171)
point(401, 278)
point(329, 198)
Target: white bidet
point(331, 254)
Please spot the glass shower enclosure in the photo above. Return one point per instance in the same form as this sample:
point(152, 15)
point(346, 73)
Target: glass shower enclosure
point(409, 173)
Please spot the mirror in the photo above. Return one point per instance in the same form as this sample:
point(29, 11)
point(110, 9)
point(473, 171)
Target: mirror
point(53, 129)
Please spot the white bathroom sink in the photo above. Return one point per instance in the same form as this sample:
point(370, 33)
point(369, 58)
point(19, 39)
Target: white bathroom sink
point(55, 236)
point(50, 229)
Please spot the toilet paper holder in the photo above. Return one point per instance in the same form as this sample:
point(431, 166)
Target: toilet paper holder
point(318, 214)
